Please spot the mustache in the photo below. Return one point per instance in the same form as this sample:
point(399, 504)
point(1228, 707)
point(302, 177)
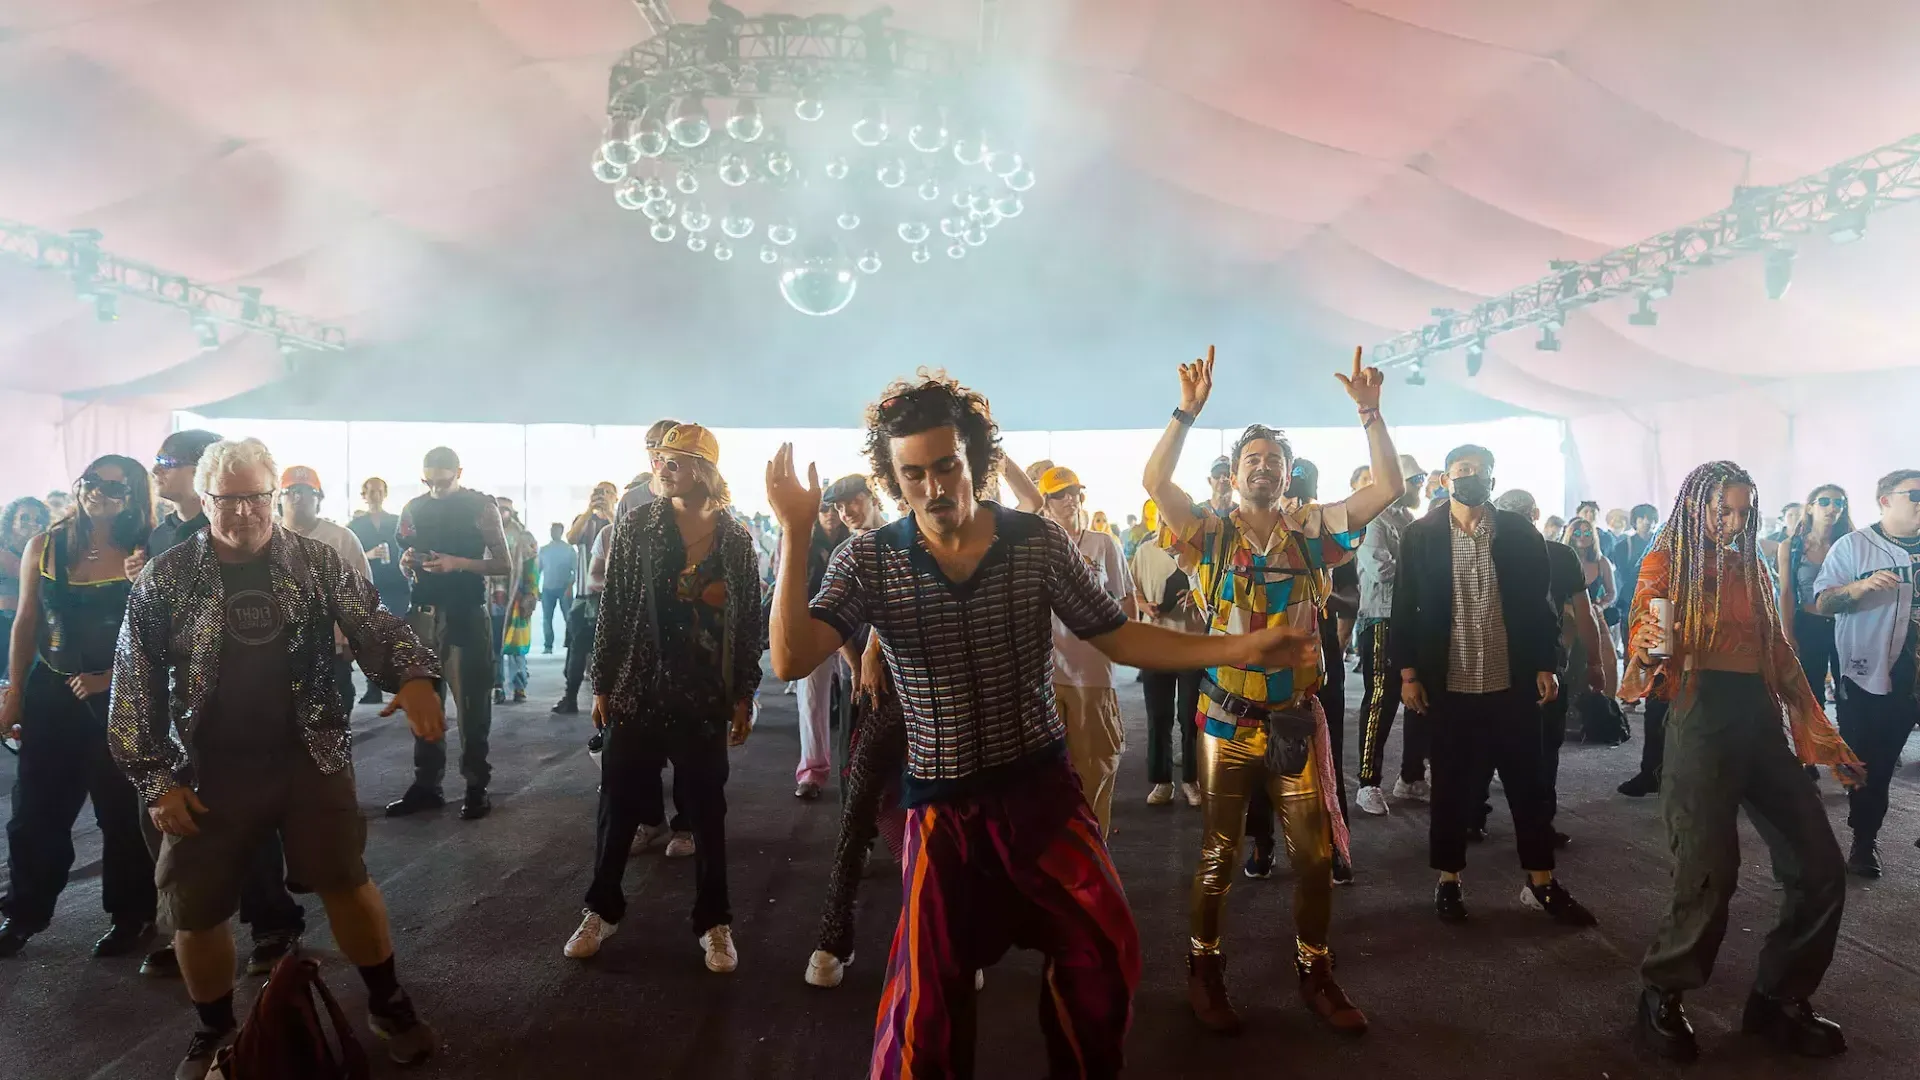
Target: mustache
point(940, 504)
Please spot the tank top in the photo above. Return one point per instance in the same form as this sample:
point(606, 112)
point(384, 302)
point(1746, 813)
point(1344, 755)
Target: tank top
point(450, 526)
point(79, 623)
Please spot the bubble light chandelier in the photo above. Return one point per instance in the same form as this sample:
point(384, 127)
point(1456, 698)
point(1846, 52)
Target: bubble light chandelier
point(823, 146)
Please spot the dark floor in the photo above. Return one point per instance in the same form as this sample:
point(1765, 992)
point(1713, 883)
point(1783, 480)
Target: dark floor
point(481, 910)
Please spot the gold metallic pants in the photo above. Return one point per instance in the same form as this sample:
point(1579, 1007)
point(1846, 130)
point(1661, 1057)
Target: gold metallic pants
point(1229, 769)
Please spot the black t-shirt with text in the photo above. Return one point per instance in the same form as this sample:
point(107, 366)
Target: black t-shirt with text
point(251, 714)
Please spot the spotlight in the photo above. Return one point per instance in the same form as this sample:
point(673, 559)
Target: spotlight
point(1646, 316)
point(1847, 227)
point(249, 303)
point(1661, 288)
point(1476, 355)
point(106, 307)
point(209, 333)
point(1779, 272)
point(1416, 374)
point(1549, 339)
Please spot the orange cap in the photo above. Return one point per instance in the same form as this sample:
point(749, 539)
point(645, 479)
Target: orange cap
point(693, 441)
point(299, 475)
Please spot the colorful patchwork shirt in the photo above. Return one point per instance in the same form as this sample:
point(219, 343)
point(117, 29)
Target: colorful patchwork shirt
point(1246, 585)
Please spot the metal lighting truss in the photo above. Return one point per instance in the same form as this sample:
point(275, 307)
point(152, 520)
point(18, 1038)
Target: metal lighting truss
point(1838, 200)
point(101, 277)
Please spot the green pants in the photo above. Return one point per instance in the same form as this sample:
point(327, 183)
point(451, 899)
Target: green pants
point(1726, 746)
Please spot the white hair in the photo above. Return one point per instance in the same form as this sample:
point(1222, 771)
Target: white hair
point(232, 455)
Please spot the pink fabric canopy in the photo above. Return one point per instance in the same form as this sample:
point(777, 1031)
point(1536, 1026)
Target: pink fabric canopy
point(1284, 177)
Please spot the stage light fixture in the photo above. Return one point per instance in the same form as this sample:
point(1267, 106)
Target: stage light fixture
point(208, 332)
point(1847, 227)
point(1645, 316)
point(1549, 339)
point(1476, 355)
point(249, 302)
point(1779, 272)
point(106, 307)
point(1661, 288)
point(1416, 374)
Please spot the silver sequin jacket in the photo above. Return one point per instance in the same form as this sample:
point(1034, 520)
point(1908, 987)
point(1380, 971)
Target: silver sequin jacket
point(168, 659)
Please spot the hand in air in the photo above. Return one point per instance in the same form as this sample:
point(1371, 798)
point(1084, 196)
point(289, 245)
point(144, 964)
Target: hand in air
point(1196, 384)
point(1363, 386)
point(797, 505)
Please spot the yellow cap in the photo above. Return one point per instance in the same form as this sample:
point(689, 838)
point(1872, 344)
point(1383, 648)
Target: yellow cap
point(693, 441)
point(1150, 516)
point(1058, 479)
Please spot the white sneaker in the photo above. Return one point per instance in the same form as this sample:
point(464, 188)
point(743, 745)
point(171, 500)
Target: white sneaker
point(1372, 800)
point(1161, 795)
point(646, 837)
point(586, 940)
point(1192, 792)
point(825, 970)
point(718, 943)
point(680, 846)
point(979, 979)
point(1417, 791)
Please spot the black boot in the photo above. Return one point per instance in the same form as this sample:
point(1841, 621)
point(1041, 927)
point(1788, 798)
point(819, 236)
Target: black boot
point(1665, 1027)
point(1641, 785)
point(122, 938)
point(1792, 1025)
point(416, 800)
point(476, 805)
point(1864, 861)
point(13, 938)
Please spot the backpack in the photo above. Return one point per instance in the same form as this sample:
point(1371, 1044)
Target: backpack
point(1601, 720)
point(287, 1036)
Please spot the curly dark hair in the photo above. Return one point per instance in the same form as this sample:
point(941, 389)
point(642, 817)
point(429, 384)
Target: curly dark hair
point(1255, 433)
point(932, 400)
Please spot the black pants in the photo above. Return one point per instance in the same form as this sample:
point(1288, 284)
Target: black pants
point(1173, 700)
point(460, 635)
point(630, 796)
point(549, 600)
point(64, 761)
point(1813, 639)
point(1379, 701)
point(1333, 698)
point(1553, 735)
point(1474, 736)
point(6, 636)
point(1653, 749)
point(580, 626)
point(1876, 726)
point(1725, 749)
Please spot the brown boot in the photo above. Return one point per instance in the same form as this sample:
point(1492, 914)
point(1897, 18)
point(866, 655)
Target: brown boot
point(1327, 1001)
point(1207, 992)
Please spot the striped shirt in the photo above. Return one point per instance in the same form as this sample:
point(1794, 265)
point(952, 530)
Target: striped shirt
point(1477, 648)
point(972, 661)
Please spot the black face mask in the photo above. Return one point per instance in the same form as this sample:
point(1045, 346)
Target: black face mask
point(1471, 490)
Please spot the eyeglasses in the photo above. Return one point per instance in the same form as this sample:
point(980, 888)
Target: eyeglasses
point(106, 489)
point(665, 464)
point(1826, 500)
point(232, 504)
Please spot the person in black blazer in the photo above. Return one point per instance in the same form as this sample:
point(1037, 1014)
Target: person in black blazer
point(1473, 634)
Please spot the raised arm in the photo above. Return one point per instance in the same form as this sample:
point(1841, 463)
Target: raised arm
point(1026, 494)
point(1388, 485)
point(800, 642)
point(1176, 509)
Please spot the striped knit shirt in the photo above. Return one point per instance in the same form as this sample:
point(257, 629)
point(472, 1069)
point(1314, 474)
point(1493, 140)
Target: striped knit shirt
point(1477, 648)
point(972, 661)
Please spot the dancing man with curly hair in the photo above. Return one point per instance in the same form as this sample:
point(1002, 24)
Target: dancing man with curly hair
point(1255, 568)
point(1001, 847)
point(1722, 661)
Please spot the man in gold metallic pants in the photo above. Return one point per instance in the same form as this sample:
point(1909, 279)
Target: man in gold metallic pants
point(1253, 567)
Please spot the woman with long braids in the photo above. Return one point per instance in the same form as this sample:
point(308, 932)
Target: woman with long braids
point(1824, 519)
point(1727, 666)
point(73, 595)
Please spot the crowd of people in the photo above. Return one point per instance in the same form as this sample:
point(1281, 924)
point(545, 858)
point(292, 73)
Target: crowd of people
point(955, 668)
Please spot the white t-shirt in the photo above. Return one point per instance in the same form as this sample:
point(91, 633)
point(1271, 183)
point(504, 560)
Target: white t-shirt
point(1868, 639)
point(1077, 662)
point(342, 540)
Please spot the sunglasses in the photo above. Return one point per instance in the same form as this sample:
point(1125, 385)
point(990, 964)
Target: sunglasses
point(162, 461)
point(665, 464)
point(106, 489)
point(255, 501)
point(1826, 500)
point(1912, 494)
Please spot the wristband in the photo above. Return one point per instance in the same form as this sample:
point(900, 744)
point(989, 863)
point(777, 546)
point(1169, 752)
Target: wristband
point(1186, 418)
point(1368, 416)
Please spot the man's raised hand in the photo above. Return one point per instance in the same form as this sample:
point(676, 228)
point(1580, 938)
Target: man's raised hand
point(1196, 384)
point(1363, 386)
point(797, 505)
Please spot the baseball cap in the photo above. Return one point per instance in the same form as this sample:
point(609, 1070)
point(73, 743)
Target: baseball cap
point(693, 441)
point(1222, 466)
point(1058, 479)
point(301, 476)
point(845, 488)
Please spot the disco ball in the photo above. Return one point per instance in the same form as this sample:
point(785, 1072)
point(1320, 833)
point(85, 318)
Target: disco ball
point(648, 137)
point(688, 124)
point(737, 225)
point(734, 171)
point(847, 220)
point(891, 174)
point(606, 171)
point(663, 231)
point(809, 109)
point(914, 232)
point(921, 254)
point(745, 123)
point(819, 281)
point(869, 262)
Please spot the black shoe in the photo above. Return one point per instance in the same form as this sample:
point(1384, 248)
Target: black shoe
point(1259, 864)
point(499, 697)
point(1561, 840)
point(161, 964)
point(476, 805)
point(1559, 904)
point(1342, 870)
point(201, 1050)
point(1450, 902)
point(1640, 785)
point(269, 948)
point(13, 938)
point(415, 801)
point(1793, 1026)
point(1864, 861)
point(567, 707)
point(1665, 1027)
point(121, 939)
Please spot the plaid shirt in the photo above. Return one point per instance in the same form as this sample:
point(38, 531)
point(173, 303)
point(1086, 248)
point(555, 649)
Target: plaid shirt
point(1477, 649)
point(1245, 587)
point(972, 661)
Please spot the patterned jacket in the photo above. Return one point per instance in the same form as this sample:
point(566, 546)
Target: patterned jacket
point(168, 660)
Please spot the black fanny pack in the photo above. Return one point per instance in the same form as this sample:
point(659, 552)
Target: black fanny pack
point(1290, 732)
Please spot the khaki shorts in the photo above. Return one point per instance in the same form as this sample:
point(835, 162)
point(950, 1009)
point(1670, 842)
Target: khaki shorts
point(317, 815)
